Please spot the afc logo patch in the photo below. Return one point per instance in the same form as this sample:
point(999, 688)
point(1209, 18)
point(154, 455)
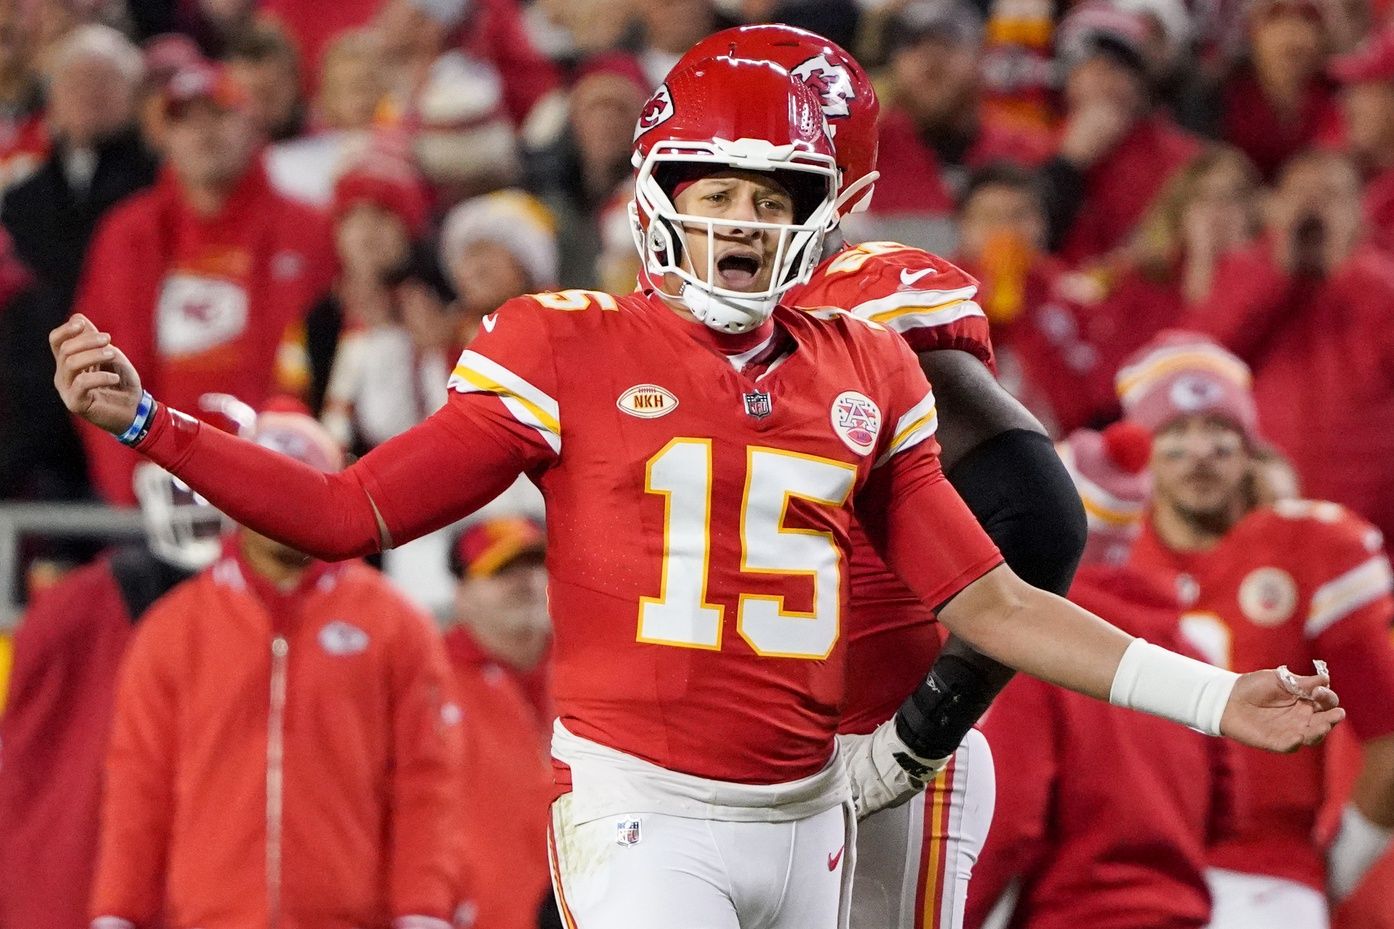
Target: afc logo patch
point(857, 421)
point(1268, 596)
point(658, 110)
point(627, 833)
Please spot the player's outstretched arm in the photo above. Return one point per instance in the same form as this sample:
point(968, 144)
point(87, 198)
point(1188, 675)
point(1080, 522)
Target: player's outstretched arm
point(1052, 639)
point(395, 493)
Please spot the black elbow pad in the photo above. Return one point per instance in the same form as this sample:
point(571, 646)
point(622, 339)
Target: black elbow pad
point(1023, 496)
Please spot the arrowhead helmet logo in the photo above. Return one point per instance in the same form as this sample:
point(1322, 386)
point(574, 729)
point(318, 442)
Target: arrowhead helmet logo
point(658, 110)
point(830, 82)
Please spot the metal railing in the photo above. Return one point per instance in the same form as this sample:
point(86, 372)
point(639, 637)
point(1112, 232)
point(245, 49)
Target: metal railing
point(52, 521)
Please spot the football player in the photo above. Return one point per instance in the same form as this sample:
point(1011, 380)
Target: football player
point(998, 458)
point(702, 450)
point(1290, 582)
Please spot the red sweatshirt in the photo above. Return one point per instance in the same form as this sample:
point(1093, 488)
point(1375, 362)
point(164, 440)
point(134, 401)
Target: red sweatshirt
point(506, 789)
point(1249, 122)
point(200, 303)
point(1103, 814)
point(1323, 369)
point(54, 734)
point(1120, 187)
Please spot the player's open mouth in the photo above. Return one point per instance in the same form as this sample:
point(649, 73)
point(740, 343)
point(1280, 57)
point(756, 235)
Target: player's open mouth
point(737, 270)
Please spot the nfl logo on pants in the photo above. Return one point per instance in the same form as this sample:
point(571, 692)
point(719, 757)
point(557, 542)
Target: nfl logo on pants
point(627, 832)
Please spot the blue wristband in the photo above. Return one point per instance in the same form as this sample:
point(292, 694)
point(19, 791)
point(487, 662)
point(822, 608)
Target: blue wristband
point(141, 424)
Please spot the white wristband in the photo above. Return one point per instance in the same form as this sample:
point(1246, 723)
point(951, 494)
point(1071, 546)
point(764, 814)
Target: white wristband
point(1359, 844)
point(1157, 681)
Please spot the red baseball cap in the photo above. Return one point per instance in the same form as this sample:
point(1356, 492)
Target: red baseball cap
point(202, 80)
point(488, 546)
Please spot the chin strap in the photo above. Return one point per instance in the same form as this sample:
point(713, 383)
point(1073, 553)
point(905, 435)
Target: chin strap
point(725, 314)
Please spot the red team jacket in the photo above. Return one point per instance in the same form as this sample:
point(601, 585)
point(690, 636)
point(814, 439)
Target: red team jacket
point(54, 735)
point(1103, 814)
point(198, 303)
point(347, 714)
point(932, 304)
point(1287, 584)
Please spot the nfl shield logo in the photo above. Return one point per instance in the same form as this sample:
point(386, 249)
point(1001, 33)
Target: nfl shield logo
point(758, 404)
point(627, 832)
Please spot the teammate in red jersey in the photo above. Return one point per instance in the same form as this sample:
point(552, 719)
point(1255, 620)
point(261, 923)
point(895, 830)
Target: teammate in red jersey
point(998, 458)
point(702, 451)
point(1288, 583)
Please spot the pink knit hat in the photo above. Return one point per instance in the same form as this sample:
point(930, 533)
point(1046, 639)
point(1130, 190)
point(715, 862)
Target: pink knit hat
point(1184, 374)
point(1109, 469)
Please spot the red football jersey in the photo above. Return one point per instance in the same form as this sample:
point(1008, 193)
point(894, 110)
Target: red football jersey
point(699, 520)
point(1289, 583)
point(932, 304)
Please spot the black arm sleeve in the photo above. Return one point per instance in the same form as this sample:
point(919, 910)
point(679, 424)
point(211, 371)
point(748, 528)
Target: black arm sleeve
point(1021, 493)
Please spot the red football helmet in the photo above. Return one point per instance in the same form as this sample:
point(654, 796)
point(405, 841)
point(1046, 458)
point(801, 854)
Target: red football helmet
point(849, 100)
point(737, 113)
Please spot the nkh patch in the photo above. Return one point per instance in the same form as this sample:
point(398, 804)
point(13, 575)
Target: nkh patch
point(627, 832)
point(758, 404)
point(857, 420)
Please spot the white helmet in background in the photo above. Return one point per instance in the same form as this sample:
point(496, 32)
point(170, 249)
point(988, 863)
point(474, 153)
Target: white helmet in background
point(181, 527)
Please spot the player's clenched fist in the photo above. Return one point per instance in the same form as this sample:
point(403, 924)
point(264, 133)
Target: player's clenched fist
point(93, 376)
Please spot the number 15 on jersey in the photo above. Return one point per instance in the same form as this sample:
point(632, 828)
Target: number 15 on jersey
point(681, 615)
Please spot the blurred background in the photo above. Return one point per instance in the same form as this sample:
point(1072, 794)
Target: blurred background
point(322, 200)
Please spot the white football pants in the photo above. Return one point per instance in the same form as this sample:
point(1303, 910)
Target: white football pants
point(914, 860)
point(654, 871)
point(1258, 901)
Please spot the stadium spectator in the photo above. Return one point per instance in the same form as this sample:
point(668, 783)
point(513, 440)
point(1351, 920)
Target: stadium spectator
point(568, 30)
point(1281, 101)
point(282, 751)
point(61, 692)
point(668, 28)
point(1367, 104)
point(165, 55)
point(1285, 584)
point(379, 211)
point(1047, 354)
point(344, 123)
point(206, 272)
point(934, 129)
point(452, 99)
point(1116, 148)
point(498, 643)
point(578, 172)
point(95, 160)
point(390, 376)
point(1301, 307)
point(1103, 817)
point(264, 61)
point(22, 139)
point(496, 247)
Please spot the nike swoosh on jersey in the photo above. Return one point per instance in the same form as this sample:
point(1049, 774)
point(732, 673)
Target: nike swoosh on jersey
point(490, 321)
point(908, 277)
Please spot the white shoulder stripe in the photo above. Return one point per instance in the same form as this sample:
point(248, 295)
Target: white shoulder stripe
point(924, 300)
point(1337, 599)
point(917, 424)
point(531, 406)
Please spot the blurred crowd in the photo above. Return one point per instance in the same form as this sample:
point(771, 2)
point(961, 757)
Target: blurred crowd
point(323, 201)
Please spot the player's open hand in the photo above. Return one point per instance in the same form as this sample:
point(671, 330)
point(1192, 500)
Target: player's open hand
point(1280, 712)
point(93, 376)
